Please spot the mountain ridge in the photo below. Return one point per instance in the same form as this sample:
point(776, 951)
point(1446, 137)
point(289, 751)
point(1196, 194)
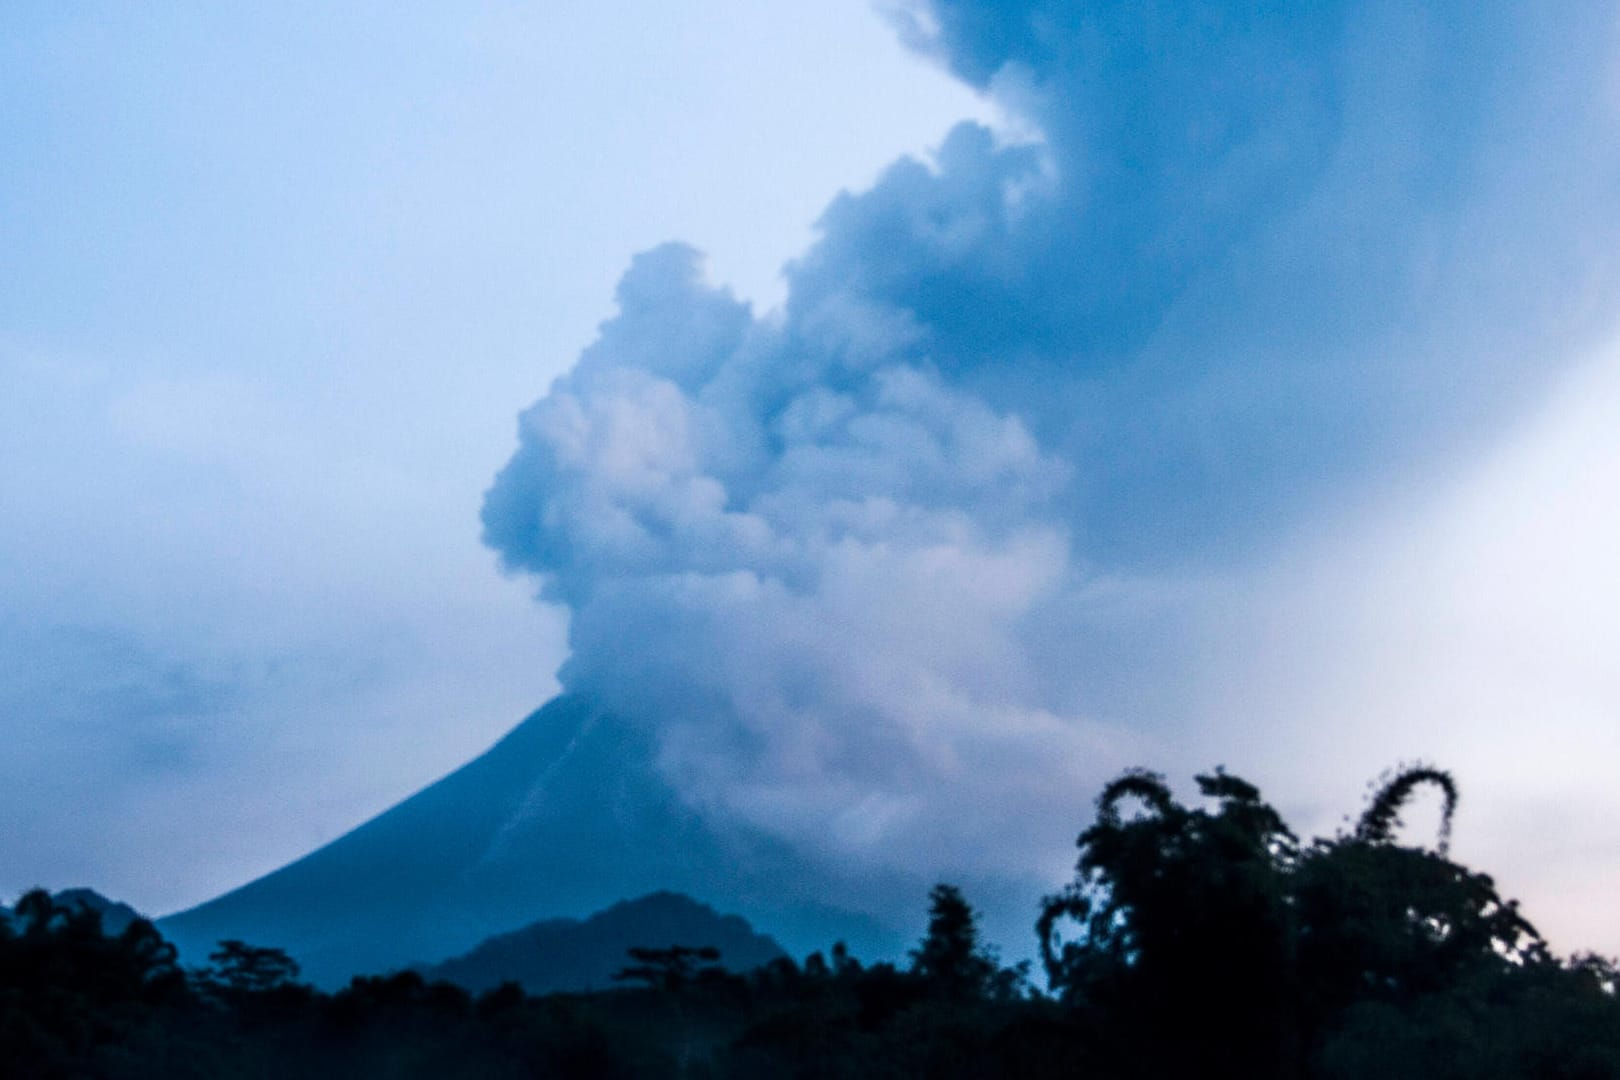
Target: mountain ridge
point(567, 954)
point(564, 816)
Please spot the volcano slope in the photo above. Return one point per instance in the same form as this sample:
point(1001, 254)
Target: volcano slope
point(563, 817)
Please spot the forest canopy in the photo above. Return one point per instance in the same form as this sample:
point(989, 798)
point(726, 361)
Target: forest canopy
point(1193, 939)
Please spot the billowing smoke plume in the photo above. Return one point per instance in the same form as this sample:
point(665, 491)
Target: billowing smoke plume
point(897, 571)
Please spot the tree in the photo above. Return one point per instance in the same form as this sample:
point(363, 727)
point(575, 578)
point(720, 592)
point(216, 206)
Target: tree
point(250, 969)
point(1381, 920)
point(1204, 939)
point(1393, 791)
point(950, 956)
point(38, 914)
point(668, 969)
point(1184, 925)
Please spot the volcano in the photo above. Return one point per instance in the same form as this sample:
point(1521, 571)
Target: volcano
point(565, 816)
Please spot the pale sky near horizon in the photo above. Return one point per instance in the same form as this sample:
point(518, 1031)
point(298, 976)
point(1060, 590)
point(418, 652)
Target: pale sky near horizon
point(274, 287)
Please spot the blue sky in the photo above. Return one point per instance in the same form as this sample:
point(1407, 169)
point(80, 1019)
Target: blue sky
point(1230, 386)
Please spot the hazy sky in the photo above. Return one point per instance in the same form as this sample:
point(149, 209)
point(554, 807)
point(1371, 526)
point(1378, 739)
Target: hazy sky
point(1232, 386)
point(273, 285)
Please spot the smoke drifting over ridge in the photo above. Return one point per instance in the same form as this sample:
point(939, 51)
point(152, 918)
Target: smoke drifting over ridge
point(893, 572)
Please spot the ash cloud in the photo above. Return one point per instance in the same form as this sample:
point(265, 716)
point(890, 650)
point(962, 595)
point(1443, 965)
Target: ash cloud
point(898, 571)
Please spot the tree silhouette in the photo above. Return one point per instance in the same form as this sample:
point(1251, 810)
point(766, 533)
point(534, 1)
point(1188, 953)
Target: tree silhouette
point(1379, 821)
point(668, 969)
point(1197, 939)
point(1383, 921)
point(241, 968)
point(1184, 924)
point(38, 913)
point(951, 957)
point(1266, 959)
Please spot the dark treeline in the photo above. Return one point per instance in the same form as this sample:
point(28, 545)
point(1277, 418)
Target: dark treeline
point(1200, 940)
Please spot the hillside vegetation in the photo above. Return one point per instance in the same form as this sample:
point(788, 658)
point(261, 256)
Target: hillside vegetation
point(1193, 940)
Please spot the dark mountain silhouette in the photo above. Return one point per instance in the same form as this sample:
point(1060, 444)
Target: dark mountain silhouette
point(573, 954)
point(563, 817)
